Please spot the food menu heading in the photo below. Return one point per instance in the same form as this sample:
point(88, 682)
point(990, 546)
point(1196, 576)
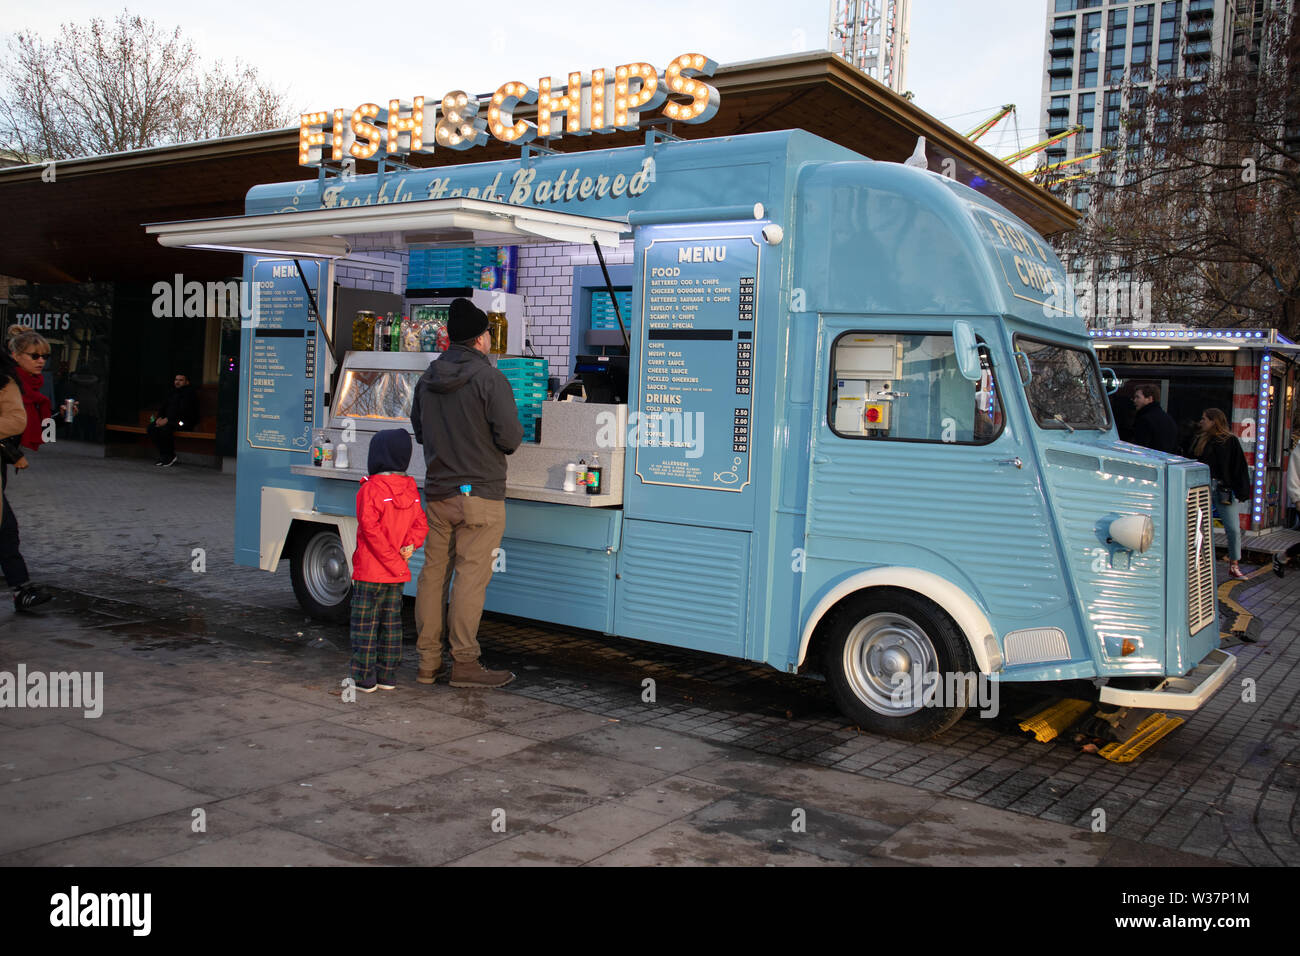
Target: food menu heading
point(697, 362)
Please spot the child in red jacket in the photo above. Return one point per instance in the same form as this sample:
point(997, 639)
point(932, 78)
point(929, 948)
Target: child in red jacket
point(390, 526)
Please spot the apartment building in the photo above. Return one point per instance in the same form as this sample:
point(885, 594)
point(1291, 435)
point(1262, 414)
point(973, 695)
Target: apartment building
point(1099, 53)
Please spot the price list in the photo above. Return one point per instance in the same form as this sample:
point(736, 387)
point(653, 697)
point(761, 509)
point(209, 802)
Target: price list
point(697, 362)
point(281, 402)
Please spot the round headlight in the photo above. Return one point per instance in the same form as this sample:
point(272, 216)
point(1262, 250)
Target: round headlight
point(1135, 532)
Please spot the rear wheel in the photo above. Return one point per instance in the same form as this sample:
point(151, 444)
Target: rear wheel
point(322, 580)
point(887, 662)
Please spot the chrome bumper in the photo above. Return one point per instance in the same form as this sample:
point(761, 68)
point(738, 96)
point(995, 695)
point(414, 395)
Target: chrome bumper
point(1178, 693)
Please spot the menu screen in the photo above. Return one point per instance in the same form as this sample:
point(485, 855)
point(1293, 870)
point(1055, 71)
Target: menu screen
point(697, 362)
point(282, 356)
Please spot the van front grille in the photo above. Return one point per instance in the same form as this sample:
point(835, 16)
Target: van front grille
point(1201, 609)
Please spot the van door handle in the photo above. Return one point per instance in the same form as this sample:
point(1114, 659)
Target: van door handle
point(821, 461)
point(1010, 461)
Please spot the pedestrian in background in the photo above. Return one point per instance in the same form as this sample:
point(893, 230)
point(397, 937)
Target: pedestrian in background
point(1219, 448)
point(1280, 561)
point(1152, 426)
point(390, 526)
point(178, 412)
point(31, 352)
point(13, 422)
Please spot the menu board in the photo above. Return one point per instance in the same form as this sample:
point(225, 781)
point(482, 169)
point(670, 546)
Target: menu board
point(697, 362)
point(282, 356)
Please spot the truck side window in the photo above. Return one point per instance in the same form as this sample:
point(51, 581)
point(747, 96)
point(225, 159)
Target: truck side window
point(906, 386)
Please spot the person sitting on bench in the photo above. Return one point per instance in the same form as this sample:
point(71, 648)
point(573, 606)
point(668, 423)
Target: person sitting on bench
point(178, 413)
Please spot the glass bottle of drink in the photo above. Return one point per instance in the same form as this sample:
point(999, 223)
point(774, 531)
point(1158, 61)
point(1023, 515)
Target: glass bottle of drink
point(500, 327)
point(363, 332)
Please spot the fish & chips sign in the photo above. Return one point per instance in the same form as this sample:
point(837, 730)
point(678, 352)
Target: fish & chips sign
point(602, 101)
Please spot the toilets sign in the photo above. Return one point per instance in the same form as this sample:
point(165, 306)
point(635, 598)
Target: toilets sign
point(602, 101)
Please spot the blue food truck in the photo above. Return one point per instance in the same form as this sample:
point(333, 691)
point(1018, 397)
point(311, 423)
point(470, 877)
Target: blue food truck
point(860, 433)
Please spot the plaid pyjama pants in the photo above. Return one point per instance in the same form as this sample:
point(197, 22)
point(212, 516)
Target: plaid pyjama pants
point(376, 632)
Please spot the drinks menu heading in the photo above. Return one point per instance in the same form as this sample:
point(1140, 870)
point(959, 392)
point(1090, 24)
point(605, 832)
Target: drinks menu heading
point(282, 357)
point(697, 362)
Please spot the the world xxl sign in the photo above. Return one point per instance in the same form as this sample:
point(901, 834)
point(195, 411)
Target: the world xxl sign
point(603, 101)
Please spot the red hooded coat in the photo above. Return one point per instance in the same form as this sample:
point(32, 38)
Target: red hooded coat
point(389, 517)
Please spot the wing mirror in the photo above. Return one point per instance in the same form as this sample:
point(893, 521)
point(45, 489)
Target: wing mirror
point(967, 350)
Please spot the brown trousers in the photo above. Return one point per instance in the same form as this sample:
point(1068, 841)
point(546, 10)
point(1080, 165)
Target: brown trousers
point(463, 533)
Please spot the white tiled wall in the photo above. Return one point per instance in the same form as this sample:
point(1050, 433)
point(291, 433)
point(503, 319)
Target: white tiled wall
point(546, 281)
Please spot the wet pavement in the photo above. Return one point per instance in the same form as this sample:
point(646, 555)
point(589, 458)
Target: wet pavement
point(220, 696)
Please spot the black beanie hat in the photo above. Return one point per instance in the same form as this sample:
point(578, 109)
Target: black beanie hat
point(390, 450)
point(466, 321)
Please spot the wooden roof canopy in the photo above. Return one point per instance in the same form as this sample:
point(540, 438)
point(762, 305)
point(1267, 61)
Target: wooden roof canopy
point(85, 225)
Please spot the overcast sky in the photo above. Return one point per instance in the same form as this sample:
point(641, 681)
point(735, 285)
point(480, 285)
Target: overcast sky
point(967, 57)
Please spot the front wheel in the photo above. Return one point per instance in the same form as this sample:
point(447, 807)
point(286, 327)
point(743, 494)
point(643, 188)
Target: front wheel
point(897, 665)
point(322, 580)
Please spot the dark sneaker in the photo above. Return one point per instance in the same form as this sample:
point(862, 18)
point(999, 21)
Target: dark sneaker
point(382, 686)
point(159, 463)
point(29, 596)
point(364, 688)
point(474, 674)
point(168, 464)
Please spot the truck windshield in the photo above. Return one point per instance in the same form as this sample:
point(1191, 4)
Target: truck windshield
point(1065, 389)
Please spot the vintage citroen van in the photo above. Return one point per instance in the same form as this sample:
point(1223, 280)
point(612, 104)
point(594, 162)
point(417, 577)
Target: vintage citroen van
point(864, 435)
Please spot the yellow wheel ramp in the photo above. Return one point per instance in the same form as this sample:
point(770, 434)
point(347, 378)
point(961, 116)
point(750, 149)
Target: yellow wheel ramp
point(1151, 730)
point(1048, 724)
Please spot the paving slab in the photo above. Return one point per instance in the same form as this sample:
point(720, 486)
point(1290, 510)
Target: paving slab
point(53, 748)
point(256, 761)
point(57, 806)
point(137, 842)
point(571, 840)
point(264, 846)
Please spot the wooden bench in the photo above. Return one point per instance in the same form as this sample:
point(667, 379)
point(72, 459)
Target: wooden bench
point(201, 440)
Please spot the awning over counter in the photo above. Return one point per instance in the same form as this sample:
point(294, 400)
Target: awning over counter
point(323, 233)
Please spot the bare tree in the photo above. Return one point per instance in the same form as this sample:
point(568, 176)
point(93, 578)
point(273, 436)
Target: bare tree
point(1202, 197)
point(104, 88)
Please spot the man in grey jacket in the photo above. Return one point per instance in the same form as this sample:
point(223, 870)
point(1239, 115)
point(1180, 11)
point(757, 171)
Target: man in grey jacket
point(464, 414)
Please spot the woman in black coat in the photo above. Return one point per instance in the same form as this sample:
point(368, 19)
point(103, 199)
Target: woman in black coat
point(1219, 448)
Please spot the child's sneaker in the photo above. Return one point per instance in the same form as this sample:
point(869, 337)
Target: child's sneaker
point(367, 688)
point(383, 686)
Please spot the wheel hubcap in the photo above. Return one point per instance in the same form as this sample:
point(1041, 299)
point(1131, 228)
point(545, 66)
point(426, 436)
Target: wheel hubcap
point(325, 570)
point(886, 658)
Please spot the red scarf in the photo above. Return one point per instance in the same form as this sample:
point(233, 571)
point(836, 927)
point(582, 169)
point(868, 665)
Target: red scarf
point(38, 407)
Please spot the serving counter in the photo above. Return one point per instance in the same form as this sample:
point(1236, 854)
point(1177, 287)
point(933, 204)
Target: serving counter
point(375, 393)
